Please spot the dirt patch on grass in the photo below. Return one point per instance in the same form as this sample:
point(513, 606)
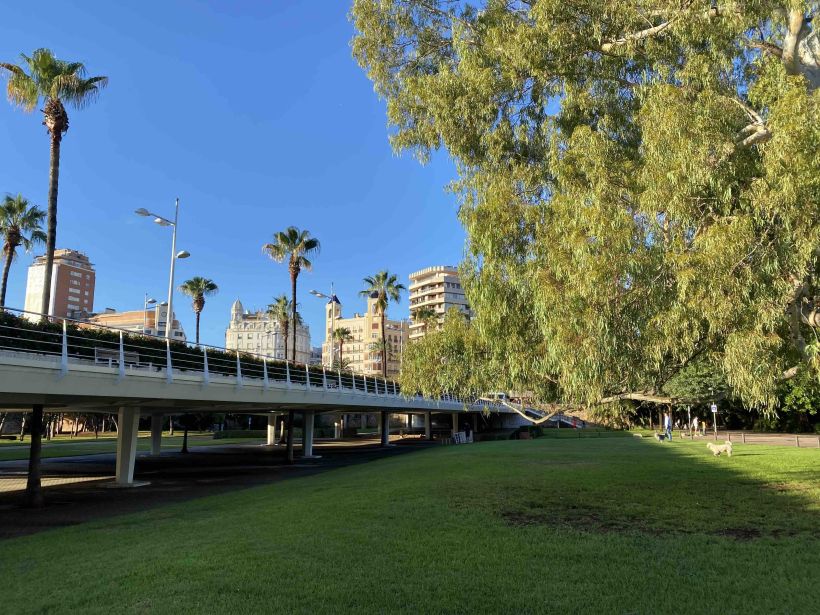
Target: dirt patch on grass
point(594, 522)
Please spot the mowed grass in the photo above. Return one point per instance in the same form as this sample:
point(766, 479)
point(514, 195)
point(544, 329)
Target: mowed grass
point(596, 525)
point(88, 445)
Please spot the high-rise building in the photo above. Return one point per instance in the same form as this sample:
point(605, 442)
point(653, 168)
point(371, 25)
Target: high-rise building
point(150, 322)
point(362, 353)
point(256, 332)
point(72, 285)
point(438, 288)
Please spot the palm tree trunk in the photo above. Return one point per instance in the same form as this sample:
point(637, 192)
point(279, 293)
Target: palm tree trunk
point(293, 276)
point(34, 494)
point(341, 356)
point(384, 349)
point(290, 436)
point(197, 328)
point(6, 266)
point(51, 231)
point(185, 439)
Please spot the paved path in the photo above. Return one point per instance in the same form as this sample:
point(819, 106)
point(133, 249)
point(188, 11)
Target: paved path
point(172, 477)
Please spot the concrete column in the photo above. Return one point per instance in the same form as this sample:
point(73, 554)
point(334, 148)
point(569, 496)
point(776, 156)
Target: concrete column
point(455, 423)
point(156, 434)
point(271, 429)
point(428, 425)
point(385, 428)
point(282, 429)
point(409, 421)
point(307, 435)
point(127, 445)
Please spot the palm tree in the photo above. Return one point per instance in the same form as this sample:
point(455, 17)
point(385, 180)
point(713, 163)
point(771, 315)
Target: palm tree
point(296, 246)
point(197, 288)
point(20, 225)
point(341, 335)
point(280, 311)
point(55, 82)
point(384, 287)
point(425, 315)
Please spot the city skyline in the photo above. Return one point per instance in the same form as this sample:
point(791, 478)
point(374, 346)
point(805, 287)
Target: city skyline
point(223, 176)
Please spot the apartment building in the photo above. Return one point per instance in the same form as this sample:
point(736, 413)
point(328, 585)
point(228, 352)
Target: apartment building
point(256, 332)
point(72, 285)
point(438, 288)
point(150, 322)
point(363, 353)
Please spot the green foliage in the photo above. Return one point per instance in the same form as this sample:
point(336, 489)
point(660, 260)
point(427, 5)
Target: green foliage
point(20, 224)
point(452, 359)
point(638, 180)
point(699, 381)
point(197, 288)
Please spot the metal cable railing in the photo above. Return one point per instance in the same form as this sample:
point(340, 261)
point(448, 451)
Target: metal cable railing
point(70, 342)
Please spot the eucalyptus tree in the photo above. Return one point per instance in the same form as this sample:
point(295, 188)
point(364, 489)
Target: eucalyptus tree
point(384, 287)
point(341, 335)
point(20, 225)
point(296, 247)
point(197, 288)
point(43, 78)
point(638, 180)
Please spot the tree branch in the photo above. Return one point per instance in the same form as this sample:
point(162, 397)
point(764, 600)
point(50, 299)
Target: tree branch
point(765, 46)
point(608, 46)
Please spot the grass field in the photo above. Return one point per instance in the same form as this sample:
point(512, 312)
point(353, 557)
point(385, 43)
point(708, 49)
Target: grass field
point(603, 525)
point(63, 446)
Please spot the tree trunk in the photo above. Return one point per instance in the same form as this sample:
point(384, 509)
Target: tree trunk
point(197, 327)
point(9, 254)
point(3, 416)
point(51, 231)
point(290, 437)
point(341, 356)
point(170, 425)
point(34, 494)
point(185, 438)
point(293, 276)
point(23, 428)
point(384, 348)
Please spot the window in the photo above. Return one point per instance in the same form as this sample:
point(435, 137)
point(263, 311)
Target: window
point(76, 274)
point(75, 291)
point(86, 293)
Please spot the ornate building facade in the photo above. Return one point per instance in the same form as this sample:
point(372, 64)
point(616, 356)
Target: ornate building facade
point(254, 331)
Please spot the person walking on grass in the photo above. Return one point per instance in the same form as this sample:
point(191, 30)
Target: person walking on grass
point(667, 425)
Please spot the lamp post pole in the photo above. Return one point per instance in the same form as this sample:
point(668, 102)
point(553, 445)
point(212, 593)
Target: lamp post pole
point(332, 301)
point(170, 316)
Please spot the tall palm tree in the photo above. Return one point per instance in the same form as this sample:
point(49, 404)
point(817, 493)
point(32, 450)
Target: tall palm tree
point(295, 246)
point(341, 335)
point(56, 82)
point(20, 225)
point(425, 315)
point(384, 287)
point(197, 288)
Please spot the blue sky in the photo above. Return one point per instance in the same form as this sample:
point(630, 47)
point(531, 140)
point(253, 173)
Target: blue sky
point(256, 116)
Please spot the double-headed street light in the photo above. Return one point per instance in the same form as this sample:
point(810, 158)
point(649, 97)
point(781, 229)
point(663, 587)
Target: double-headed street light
point(331, 300)
point(174, 256)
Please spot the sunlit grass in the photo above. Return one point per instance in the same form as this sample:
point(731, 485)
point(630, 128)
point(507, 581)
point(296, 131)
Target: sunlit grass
point(620, 525)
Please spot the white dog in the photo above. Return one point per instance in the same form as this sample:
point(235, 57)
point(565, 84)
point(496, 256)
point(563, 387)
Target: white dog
point(717, 449)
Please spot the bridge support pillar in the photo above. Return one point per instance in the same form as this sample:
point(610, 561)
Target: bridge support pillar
point(307, 435)
point(409, 421)
point(271, 429)
point(129, 419)
point(156, 434)
point(385, 428)
point(428, 425)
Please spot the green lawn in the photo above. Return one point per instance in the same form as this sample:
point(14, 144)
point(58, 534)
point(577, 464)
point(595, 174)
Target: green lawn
point(603, 525)
point(87, 445)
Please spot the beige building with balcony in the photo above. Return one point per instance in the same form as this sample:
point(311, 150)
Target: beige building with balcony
point(361, 353)
point(150, 322)
point(256, 332)
point(438, 288)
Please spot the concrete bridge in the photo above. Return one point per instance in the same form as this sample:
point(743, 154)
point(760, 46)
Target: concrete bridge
point(63, 370)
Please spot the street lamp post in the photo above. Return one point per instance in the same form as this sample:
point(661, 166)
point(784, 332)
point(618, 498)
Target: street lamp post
point(331, 299)
point(174, 256)
point(145, 312)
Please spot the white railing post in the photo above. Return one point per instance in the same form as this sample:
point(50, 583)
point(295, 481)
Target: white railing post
point(340, 379)
point(121, 374)
point(238, 371)
point(376, 385)
point(64, 352)
point(394, 389)
point(287, 372)
point(206, 375)
point(169, 370)
point(364, 377)
point(265, 373)
point(307, 378)
point(353, 378)
point(324, 378)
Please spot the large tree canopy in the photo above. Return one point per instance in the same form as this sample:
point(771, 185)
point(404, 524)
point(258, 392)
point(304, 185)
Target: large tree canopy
point(639, 180)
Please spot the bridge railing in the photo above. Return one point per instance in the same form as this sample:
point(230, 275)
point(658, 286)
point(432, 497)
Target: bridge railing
point(69, 342)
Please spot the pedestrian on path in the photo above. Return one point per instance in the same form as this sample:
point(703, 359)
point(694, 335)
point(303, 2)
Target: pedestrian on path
point(667, 425)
